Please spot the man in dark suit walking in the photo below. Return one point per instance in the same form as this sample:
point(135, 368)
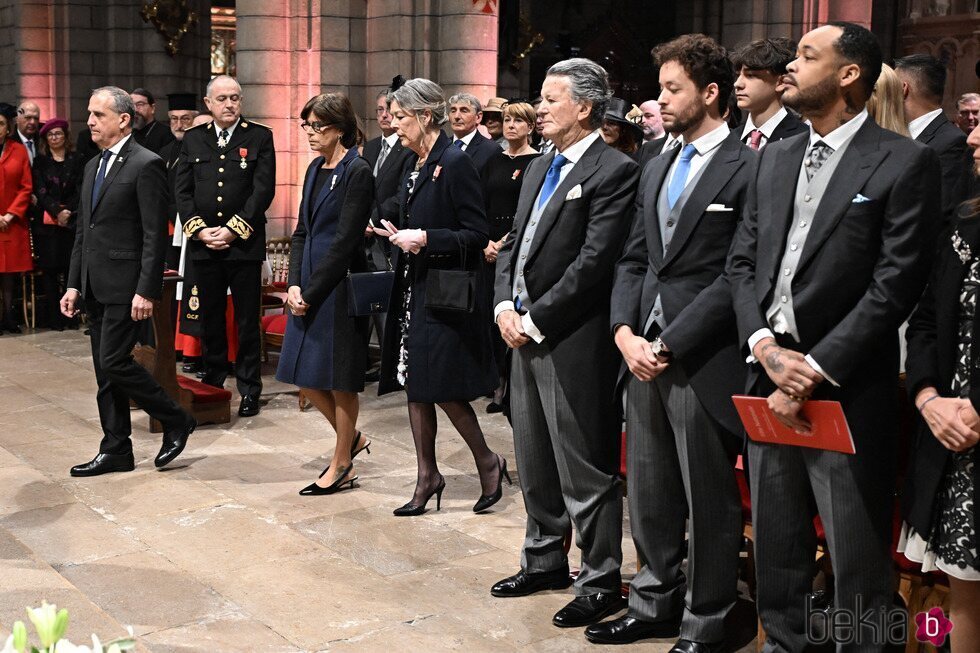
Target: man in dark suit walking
point(117, 269)
point(465, 115)
point(823, 272)
point(226, 179)
point(554, 278)
point(923, 82)
point(673, 322)
point(760, 67)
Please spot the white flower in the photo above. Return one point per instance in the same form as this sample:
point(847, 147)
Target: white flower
point(49, 622)
point(8, 647)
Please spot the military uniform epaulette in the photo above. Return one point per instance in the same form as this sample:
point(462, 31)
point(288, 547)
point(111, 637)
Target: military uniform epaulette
point(246, 123)
point(198, 126)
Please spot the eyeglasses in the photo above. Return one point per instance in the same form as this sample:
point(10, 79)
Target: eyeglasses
point(316, 126)
point(56, 134)
point(183, 120)
point(141, 104)
point(381, 110)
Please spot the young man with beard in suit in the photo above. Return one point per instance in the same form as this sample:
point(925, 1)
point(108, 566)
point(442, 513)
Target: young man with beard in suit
point(760, 67)
point(117, 269)
point(554, 279)
point(673, 322)
point(829, 261)
point(923, 83)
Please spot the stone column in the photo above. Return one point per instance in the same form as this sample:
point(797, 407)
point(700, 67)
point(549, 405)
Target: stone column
point(62, 49)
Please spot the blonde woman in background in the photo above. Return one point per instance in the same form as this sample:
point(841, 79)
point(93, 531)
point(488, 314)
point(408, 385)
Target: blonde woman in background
point(886, 102)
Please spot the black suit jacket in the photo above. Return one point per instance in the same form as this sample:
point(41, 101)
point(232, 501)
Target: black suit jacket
point(933, 340)
point(170, 155)
point(790, 125)
point(244, 193)
point(121, 239)
point(154, 136)
point(569, 273)
point(651, 150)
point(949, 142)
point(481, 149)
point(862, 269)
point(388, 178)
point(690, 278)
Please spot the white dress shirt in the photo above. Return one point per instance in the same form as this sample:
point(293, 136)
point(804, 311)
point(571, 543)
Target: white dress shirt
point(705, 147)
point(115, 149)
point(767, 128)
point(466, 140)
point(919, 124)
point(836, 139)
point(573, 154)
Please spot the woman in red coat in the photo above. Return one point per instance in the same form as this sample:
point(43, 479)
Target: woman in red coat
point(15, 197)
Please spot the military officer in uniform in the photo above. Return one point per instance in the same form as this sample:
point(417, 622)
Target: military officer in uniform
point(225, 183)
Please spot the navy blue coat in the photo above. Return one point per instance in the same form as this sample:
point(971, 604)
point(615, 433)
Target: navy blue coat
point(449, 356)
point(326, 349)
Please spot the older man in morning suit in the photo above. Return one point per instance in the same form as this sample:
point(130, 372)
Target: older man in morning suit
point(673, 321)
point(829, 260)
point(117, 269)
point(554, 279)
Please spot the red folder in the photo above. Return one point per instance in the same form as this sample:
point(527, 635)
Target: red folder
point(828, 426)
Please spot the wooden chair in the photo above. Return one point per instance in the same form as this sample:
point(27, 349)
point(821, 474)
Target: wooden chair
point(273, 326)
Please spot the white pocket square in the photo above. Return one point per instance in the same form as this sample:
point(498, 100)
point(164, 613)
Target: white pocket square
point(859, 198)
point(575, 193)
point(719, 207)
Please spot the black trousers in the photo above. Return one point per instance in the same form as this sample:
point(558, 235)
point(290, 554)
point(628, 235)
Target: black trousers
point(214, 278)
point(121, 378)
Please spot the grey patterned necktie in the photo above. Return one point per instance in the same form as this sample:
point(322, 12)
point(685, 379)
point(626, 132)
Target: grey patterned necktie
point(381, 158)
point(819, 153)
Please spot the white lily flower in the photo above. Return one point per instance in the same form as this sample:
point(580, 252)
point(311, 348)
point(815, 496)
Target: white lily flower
point(8, 647)
point(44, 619)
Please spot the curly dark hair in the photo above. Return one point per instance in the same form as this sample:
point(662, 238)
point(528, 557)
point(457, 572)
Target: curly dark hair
point(704, 61)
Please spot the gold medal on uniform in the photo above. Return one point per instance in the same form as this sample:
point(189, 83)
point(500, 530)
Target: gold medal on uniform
point(243, 152)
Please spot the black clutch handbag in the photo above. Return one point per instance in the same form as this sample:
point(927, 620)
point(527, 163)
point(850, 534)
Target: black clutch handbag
point(451, 290)
point(368, 293)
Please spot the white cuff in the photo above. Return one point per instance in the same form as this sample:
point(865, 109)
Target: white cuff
point(530, 329)
point(505, 305)
point(809, 359)
point(754, 339)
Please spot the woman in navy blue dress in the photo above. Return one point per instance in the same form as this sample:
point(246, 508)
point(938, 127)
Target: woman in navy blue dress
point(324, 350)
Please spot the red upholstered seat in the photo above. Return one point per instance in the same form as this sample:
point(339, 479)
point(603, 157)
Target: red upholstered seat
point(274, 324)
point(203, 393)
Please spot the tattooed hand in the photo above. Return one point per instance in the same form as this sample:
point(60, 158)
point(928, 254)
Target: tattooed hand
point(788, 369)
point(787, 411)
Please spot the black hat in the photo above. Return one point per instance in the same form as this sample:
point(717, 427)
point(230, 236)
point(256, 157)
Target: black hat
point(8, 111)
point(181, 102)
point(620, 111)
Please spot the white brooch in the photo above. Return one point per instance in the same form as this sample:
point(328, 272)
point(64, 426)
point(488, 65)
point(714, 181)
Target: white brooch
point(961, 247)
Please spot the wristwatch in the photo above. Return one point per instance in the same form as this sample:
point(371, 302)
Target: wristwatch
point(659, 349)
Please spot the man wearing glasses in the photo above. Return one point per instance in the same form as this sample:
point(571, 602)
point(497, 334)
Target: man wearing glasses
point(146, 130)
point(226, 179)
point(182, 109)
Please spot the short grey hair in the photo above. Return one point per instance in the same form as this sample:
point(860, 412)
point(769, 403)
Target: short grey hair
point(207, 91)
point(968, 97)
point(420, 94)
point(121, 102)
point(469, 99)
point(587, 81)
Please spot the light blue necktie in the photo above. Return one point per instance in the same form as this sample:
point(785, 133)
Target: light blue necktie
point(551, 179)
point(679, 179)
point(100, 177)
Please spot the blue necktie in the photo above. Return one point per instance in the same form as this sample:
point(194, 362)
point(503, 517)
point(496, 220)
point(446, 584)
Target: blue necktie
point(551, 179)
point(459, 144)
point(100, 177)
point(679, 179)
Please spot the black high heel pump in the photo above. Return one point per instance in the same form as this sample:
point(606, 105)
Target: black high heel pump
point(414, 510)
point(487, 500)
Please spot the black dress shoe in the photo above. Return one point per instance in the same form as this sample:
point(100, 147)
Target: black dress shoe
point(688, 646)
point(173, 443)
point(588, 609)
point(627, 630)
point(104, 463)
point(523, 583)
point(249, 406)
point(191, 365)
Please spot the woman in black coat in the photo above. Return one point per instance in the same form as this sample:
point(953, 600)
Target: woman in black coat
point(57, 180)
point(438, 356)
point(942, 491)
point(324, 350)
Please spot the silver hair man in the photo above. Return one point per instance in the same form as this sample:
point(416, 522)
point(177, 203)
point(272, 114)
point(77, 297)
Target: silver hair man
point(121, 101)
point(587, 82)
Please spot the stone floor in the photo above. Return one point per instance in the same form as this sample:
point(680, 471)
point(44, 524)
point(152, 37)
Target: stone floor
point(219, 553)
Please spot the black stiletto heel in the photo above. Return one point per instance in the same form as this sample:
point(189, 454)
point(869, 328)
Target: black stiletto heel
point(342, 483)
point(414, 510)
point(487, 500)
